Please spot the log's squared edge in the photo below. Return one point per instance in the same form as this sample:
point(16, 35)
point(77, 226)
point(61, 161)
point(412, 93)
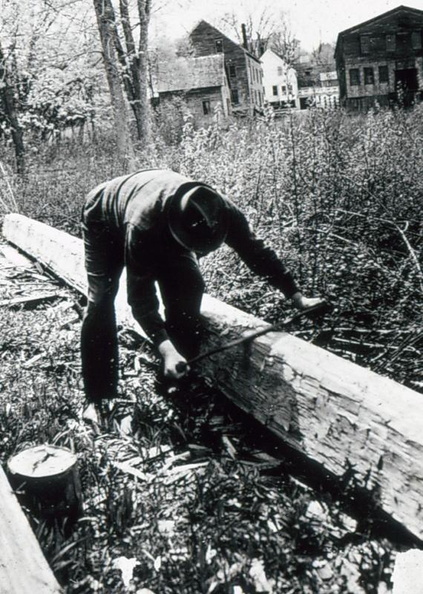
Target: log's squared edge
point(23, 567)
point(62, 253)
point(345, 417)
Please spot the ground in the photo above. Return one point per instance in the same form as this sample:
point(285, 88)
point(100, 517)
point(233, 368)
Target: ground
point(180, 493)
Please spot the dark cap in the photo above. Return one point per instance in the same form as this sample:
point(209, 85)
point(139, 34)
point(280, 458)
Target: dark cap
point(198, 219)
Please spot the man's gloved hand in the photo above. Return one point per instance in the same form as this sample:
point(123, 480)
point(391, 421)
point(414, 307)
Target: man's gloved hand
point(175, 365)
point(302, 302)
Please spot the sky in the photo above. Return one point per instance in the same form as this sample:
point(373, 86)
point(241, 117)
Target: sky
point(311, 21)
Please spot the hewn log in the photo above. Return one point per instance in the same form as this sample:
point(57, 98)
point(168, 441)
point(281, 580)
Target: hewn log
point(23, 568)
point(354, 423)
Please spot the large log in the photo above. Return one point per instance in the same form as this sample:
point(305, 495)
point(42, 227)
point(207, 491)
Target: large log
point(351, 421)
point(23, 568)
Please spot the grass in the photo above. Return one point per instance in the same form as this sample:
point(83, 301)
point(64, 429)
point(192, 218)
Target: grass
point(188, 497)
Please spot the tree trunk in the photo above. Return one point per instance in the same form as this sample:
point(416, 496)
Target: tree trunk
point(7, 99)
point(144, 11)
point(105, 19)
point(135, 66)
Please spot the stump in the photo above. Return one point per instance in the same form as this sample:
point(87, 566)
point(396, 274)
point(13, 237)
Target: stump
point(46, 481)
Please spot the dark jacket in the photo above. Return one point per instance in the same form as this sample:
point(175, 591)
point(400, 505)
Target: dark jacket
point(132, 207)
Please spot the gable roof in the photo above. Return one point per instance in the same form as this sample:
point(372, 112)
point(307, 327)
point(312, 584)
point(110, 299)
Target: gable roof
point(205, 24)
point(184, 74)
point(385, 15)
point(270, 53)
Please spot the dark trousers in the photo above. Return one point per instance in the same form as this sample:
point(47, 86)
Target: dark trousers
point(181, 287)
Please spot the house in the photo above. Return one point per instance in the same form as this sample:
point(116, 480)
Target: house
point(243, 69)
point(381, 60)
point(201, 81)
point(279, 81)
point(320, 91)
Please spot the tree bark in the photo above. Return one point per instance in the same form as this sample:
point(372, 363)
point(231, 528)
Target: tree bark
point(134, 63)
point(106, 27)
point(8, 101)
point(144, 11)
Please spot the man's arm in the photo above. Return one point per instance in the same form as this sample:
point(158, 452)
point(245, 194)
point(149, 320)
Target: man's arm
point(142, 297)
point(263, 260)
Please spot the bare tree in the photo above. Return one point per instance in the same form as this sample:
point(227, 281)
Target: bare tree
point(324, 57)
point(107, 29)
point(284, 43)
point(134, 62)
point(261, 30)
point(250, 30)
point(130, 58)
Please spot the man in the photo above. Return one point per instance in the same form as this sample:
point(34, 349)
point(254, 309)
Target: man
point(157, 223)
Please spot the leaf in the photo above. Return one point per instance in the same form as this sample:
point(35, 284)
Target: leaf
point(126, 566)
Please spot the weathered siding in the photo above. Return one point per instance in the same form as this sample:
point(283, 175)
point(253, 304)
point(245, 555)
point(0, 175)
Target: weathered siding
point(391, 45)
point(242, 69)
point(215, 97)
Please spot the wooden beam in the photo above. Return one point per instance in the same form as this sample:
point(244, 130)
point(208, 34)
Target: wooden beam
point(23, 568)
point(357, 425)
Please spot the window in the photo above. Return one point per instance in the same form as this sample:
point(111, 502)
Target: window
point(275, 90)
point(403, 42)
point(383, 74)
point(235, 96)
point(283, 88)
point(354, 77)
point(416, 40)
point(232, 70)
point(390, 42)
point(219, 46)
point(280, 71)
point(365, 44)
point(290, 88)
point(206, 107)
point(369, 77)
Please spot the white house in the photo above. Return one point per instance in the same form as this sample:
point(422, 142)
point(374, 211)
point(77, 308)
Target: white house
point(279, 81)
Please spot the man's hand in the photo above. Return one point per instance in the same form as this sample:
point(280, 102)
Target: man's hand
point(301, 302)
point(175, 365)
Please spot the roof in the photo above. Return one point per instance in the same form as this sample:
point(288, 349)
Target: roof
point(184, 74)
point(205, 24)
point(384, 15)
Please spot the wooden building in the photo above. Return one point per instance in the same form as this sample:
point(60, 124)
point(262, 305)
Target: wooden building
point(243, 69)
point(279, 81)
point(381, 60)
point(202, 83)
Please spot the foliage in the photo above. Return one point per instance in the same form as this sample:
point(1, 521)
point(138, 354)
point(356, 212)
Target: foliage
point(49, 53)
